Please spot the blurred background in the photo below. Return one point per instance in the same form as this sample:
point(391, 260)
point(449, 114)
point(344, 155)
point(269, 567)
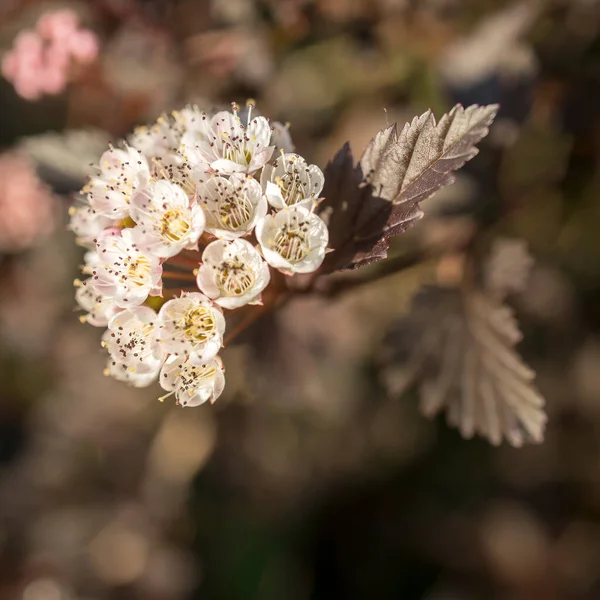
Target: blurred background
point(310, 478)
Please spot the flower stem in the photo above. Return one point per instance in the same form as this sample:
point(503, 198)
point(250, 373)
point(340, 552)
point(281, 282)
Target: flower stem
point(184, 261)
point(327, 287)
point(176, 292)
point(178, 276)
point(248, 320)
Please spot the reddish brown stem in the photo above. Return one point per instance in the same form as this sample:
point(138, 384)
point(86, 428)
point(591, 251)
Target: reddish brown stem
point(181, 260)
point(248, 319)
point(178, 276)
point(255, 313)
point(191, 254)
point(176, 292)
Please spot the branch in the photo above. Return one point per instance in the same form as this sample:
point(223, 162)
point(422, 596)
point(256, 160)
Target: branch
point(332, 287)
point(254, 314)
point(327, 287)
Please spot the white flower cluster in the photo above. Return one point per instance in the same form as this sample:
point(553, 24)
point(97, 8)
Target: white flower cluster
point(183, 222)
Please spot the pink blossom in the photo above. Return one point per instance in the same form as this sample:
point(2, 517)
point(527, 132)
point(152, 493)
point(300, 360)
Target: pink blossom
point(57, 25)
point(39, 62)
point(27, 208)
point(83, 45)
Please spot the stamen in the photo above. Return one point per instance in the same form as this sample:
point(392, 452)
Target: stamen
point(234, 278)
point(291, 242)
point(163, 398)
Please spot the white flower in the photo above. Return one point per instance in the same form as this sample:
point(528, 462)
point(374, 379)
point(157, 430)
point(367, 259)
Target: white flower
point(191, 325)
point(294, 240)
point(91, 259)
point(192, 384)
point(233, 273)
point(189, 118)
point(281, 138)
point(225, 145)
point(87, 224)
point(91, 262)
point(121, 172)
point(291, 181)
point(99, 309)
point(121, 372)
point(232, 205)
point(159, 144)
point(167, 222)
point(131, 340)
point(125, 274)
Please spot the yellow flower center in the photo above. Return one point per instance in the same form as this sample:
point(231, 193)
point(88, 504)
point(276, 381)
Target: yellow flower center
point(199, 324)
point(234, 278)
point(174, 225)
point(293, 245)
point(234, 213)
point(138, 271)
